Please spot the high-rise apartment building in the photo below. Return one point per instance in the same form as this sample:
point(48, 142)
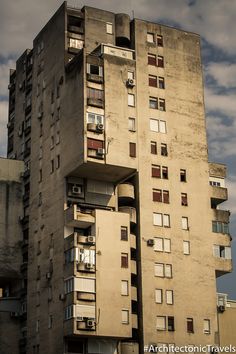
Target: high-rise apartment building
point(121, 226)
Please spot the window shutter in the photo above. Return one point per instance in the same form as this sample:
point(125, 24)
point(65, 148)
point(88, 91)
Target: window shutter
point(158, 244)
point(166, 220)
point(156, 195)
point(132, 149)
point(154, 125)
point(161, 323)
point(85, 311)
point(152, 81)
point(159, 269)
point(158, 296)
point(169, 297)
point(157, 219)
point(152, 59)
point(166, 245)
point(124, 287)
point(156, 171)
point(94, 144)
point(162, 126)
point(165, 196)
point(228, 253)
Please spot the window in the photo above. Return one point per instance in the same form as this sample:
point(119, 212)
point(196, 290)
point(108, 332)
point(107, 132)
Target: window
point(125, 316)
point(171, 323)
point(161, 82)
point(164, 172)
point(86, 285)
point(130, 75)
point(220, 227)
point(58, 160)
point(153, 147)
point(160, 196)
point(95, 94)
point(109, 28)
point(184, 221)
point(153, 102)
point(40, 175)
point(163, 270)
point(184, 199)
point(161, 323)
point(124, 287)
point(131, 123)
point(161, 219)
point(124, 260)
point(37, 326)
point(158, 296)
point(52, 166)
point(124, 233)
point(94, 69)
point(40, 199)
point(69, 285)
point(182, 175)
point(131, 100)
point(94, 144)
point(162, 104)
point(186, 247)
point(70, 255)
point(162, 126)
point(164, 151)
point(156, 171)
point(86, 256)
point(169, 297)
point(95, 118)
point(154, 125)
point(190, 325)
point(150, 37)
point(222, 251)
point(152, 80)
point(57, 137)
point(69, 312)
point(75, 43)
point(160, 61)
point(132, 149)
point(207, 326)
point(159, 41)
point(152, 59)
point(50, 321)
point(160, 172)
point(162, 244)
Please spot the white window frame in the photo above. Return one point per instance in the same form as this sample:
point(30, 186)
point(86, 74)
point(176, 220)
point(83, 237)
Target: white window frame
point(131, 100)
point(131, 124)
point(159, 270)
point(100, 69)
point(95, 118)
point(186, 247)
point(154, 125)
point(130, 75)
point(169, 297)
point(162, 127)
point(206, 326)
point(109, 28)
point(161, 323)
point(184, 223)
point(158, 296)
point(124, 287)
point(125, 316)
point(150, 37)
point(162, 244)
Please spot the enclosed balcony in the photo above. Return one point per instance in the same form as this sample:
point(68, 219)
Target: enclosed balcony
point(75, 217)
point(131, 211)
point(126, 192)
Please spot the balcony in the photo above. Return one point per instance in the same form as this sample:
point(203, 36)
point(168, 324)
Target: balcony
point(10, 304)
point(74, 217)
point(95, 78)
point(126, 192)
point(223, 266)
point(131, 211)
point(217, 170)
point(95, 102)
point(221, 215)
point(218, 195)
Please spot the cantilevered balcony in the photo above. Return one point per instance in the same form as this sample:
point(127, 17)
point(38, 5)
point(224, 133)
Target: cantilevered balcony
point(218, 195)
point(125, 192)
point(74, 217)
point(131, 211)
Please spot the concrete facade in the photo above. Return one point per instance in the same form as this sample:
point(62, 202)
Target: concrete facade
point(121, 206)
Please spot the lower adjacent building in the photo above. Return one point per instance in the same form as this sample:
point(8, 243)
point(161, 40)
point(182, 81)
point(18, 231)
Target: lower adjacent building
point(119, 227)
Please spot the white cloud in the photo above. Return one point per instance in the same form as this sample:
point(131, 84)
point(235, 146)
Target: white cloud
point(3, 127)
point(224, 103)
point(223, 73)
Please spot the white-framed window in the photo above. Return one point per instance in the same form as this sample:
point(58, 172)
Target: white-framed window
point(76, 43)
point(109, 28)
point(69, 285)
point(131, 124)
point(186, 247)
point(161, 323)
point(153, 102)
point(130, 75)
point(158, 296)
point(169, 297)
point(94, 69)
point(124, 287)
point(207, 326)
point(184, 222)
point(163, 126)
point(69, 312)
point(161, 219)
point(163, 270)
point(162, 244)
point(222, 251)
point(168, 270)
point(125, 316)
point(150, 37)
point(95, 118)
point(131, 100)
point(154, 125)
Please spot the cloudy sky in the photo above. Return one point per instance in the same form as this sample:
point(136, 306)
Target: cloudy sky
point(214, 20)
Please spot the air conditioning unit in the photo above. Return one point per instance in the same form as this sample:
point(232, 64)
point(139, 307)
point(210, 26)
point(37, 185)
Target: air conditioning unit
point(99, 128)
point(48, 275)
point(150, 242)
point(76, 190)
point(100, 151)
point(90, 323)
point(130, 83)
point(88, 265)
point(62, 297)
point(91, 239)
point(221, 308)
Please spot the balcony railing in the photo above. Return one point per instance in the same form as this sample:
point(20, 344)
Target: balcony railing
point(75, 217)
